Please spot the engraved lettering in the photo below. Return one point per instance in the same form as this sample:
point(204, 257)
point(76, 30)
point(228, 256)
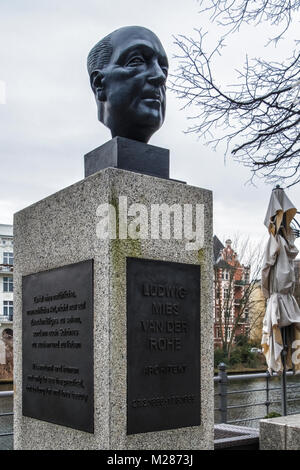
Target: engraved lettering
point(158, 290)
point(163, 401)
point(163, 338)
point(160, 369)
point(164, 344)
point(59, 323)
point(165, 308)
point(156, 326)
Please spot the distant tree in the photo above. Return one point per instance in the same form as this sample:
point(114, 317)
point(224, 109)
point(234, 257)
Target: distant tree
point(259, 116)
point(232, 309)
point(241, 340)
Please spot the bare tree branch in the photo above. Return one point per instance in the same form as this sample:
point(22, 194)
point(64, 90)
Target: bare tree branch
point(259, 116)
point(233, 13)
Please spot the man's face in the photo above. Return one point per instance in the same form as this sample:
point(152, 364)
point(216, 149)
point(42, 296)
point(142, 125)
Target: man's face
point(134, 84)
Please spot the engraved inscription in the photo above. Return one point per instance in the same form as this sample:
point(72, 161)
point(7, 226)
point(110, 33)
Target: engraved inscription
point(168, 369)
point(163, 401)
point(58, 346)
point(163, 345)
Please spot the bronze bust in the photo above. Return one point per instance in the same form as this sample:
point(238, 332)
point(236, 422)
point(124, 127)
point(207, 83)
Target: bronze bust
point(128, 71)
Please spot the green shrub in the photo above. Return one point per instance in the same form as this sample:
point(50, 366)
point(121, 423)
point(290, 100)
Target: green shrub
point(240, 354)
point(241, 340)
point(220, 356)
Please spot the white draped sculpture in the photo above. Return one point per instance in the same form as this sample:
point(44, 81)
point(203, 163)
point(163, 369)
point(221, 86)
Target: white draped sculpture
point(278, 280)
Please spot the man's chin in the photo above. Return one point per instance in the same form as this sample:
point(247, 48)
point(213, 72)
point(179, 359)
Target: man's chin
point(139, 125)
point(152, 118)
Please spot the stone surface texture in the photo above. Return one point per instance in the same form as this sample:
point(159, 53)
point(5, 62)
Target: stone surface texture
point(61, 230)
point(228, 436)
point(282, 433)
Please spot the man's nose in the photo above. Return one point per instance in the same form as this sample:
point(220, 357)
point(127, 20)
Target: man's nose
point(156, 75)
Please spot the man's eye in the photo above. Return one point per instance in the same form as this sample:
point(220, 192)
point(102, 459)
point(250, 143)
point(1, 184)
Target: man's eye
point(135, 61)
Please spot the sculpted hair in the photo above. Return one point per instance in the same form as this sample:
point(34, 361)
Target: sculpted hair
point(100, 54)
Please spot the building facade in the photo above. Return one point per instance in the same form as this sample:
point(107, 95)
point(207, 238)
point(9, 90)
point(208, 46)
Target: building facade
point(257, 309)
point(6, 301)
point(231, 287)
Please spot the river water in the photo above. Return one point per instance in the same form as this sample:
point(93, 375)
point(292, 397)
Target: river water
point(241, 398)
point(247, 398)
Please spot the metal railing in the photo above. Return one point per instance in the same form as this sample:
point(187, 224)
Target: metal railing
point(10, 413)
point(223, 379)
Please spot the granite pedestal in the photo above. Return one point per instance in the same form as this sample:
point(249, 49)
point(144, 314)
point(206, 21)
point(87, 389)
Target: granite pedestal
point(77, 292)
point(282, 433)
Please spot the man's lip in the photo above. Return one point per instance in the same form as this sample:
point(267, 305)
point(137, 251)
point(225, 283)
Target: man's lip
point(152, 99)
point(154, 96)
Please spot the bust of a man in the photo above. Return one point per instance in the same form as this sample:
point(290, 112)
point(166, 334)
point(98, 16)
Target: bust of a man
point(128, 71)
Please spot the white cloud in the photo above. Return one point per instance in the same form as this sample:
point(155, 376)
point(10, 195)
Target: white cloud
point(49, 121)
point(2, 92)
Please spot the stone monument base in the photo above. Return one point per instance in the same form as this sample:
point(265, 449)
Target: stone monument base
point(113, 337)
point(282, 433)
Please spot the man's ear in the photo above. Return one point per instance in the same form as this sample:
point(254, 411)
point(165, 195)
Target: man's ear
point(97, 84)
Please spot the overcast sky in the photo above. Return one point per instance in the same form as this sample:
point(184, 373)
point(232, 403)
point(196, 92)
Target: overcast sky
point(49, 119)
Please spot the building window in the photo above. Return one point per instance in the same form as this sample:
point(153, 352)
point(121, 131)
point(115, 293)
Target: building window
point(225, 275)
point(8, 285)
point(8, 308)
point(228, 334)
point(8, 258)
point(226, 293)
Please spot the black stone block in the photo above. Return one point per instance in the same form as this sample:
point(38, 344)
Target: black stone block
point(163, 345)
point(129, 155)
